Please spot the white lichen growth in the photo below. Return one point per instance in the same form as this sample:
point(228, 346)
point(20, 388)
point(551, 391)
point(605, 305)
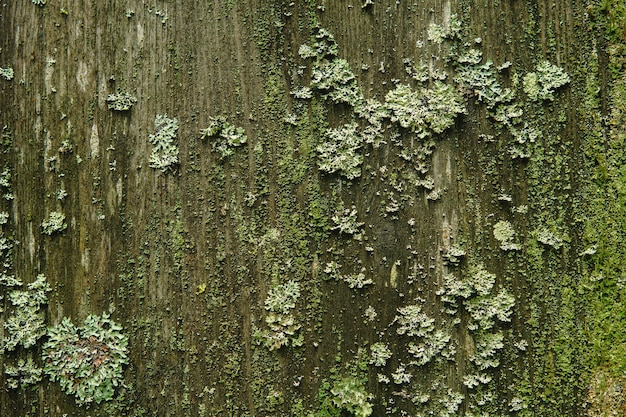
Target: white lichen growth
point(348, 393)
point(54, 224)
point(453, 254)
point(346, 221)
point(546, 237)
point(39, 2)
point(505, 234)
point(87, 361)
point(330, 75)
point(26, 324)
point(380, 353)
point(282, 325)
point(226, 137)
point(165, 151)
point(436, 33)
point(401, 376)
point(7, 73)
point(487, 345)
point(61, 194)
point(426, 111)
point(282, 298)
point(358, 280)
point(25, 373)
point(340, 151)
point(122, 101)
point(542, 84)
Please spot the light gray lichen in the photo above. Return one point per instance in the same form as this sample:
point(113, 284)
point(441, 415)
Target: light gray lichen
point(505, 234)
point(6, 73)
point(542, 84)
point(225, 136)
point(165, 151)
point(122, 101)
point(340, 151)
point(54, 224)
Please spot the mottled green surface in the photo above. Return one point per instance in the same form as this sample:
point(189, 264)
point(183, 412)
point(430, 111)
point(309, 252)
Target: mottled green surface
point(419, 211)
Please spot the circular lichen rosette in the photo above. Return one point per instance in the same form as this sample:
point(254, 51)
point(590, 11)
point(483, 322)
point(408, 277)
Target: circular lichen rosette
point(86, 361)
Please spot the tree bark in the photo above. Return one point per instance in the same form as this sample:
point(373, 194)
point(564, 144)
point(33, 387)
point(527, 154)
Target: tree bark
point(186, 258)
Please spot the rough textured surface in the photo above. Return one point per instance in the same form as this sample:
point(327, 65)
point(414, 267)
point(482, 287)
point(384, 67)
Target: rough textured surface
point(185, 260)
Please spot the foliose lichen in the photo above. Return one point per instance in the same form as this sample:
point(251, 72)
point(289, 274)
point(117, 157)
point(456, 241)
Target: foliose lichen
point(380, 354)
point(6, 73)
point(54, 224)
point(225, 136)
point(26, 323)
point(340, 151)
point(331, 76)
point(23, 374)
point(349, 394)
point(505, 234)
point(425, 111)
point(87, 361)
point(542, 84)
point(283, 327)
point(122, 101)
point(165, 151)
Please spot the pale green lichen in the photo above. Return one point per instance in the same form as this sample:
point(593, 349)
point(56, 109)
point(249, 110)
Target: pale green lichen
point(427, 111)
point(7, 73)
point(283, 328)
point(436, 33)
point(122, 101)
point(542, 84)
point(340, 151)
point(336, 81)
point(349, 394)
point(282, 298)
point(505, 234)
point(224, 135)
point(548, 238)
point(346, 222)
point(26, 323)
point(87, 361)
point(330, 75)
point(413, 322)
point(453, 254)
point(54, 224)
point(380, 354)
point(24, 374)
point(164, 155)
point(374, 113)
point(487, 345)
point(358, 280)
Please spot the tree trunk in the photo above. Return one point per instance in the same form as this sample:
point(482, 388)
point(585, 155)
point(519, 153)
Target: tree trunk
point(419, 212)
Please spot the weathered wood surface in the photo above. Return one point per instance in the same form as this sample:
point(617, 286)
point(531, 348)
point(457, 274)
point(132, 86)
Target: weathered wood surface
point(186, 259)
